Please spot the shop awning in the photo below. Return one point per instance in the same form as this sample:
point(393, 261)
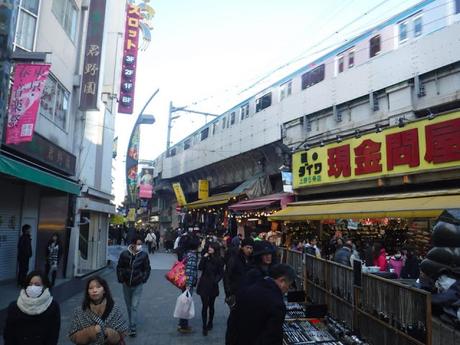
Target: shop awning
point(28, 173)
point(214, 200)
point(398, 207)
point(262, 202)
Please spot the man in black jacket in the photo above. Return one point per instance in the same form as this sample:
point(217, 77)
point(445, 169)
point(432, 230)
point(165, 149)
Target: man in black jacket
point(260, 308)
point(24, 253)
point(133, 271)
point(236, 269)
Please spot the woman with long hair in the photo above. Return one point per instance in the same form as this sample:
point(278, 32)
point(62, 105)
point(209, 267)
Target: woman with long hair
point(99, 320)
point(35, 317)
point(212, 267)
point(53, 256)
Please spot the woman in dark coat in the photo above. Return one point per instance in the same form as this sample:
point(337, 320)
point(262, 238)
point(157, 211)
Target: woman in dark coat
point(212, 268)
point(35, 317)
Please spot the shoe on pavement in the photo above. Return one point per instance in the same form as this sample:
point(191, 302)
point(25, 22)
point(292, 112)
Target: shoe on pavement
point(205, 332)
point(132, 333)
point(209, 327)
point(184, 330)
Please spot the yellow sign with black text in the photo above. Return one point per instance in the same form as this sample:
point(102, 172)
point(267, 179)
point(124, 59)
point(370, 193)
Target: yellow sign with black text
point(418, 146)
point(179, 194)
point(203, 189)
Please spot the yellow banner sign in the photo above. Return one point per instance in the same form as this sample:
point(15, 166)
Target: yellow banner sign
point(418, 146)
point(179, 194)
point(131, 215)
point(203, 189)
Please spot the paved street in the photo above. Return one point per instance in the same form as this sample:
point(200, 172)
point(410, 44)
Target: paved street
point(156, 324)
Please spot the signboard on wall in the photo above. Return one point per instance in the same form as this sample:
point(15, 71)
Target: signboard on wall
point(179, 194)
point(92, 61)
point(29, 81)
point(129, 64)
point(203, 189)
point(419, 146)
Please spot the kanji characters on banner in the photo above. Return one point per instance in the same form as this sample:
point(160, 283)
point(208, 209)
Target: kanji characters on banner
point(421, 145)
point(29, 82)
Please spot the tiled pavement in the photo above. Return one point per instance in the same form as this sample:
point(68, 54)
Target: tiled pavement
point(156, 325)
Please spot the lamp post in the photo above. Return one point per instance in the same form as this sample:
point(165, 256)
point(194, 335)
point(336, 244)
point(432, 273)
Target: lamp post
point(132, 156)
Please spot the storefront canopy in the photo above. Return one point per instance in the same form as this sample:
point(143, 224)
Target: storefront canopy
point(214, 200)
point(263, 202)
point(28, 173)
point(412, 206)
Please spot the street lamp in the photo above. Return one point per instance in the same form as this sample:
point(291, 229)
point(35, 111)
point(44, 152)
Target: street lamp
point(132, 155)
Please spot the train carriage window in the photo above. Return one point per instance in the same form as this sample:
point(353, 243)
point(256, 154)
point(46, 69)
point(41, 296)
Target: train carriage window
point(172, 152)
point(351, 59)
point(402, 32)
point(204, 133)
point(224, 122)
point(187, 144)
point(374, 46)
point(313, 77)
point(340, 64)
point(264, 102)
point(457, 6)
point(232, 118)
point(285, 90)
point(418, 26)
point(214, 127)
point(244, 111)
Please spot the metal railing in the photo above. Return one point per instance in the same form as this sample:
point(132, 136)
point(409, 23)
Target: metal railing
point(383, 311)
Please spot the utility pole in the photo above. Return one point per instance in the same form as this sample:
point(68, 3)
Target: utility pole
point(8, 13)
point(172, 110)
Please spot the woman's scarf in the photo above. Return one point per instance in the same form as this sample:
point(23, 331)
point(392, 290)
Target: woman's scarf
point(34, 306)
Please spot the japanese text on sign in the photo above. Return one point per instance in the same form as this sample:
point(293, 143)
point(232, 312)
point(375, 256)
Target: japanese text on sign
point(419, 146)
point(92, 60)
point(128, 74)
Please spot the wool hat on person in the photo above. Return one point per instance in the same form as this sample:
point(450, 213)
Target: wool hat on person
point(247, 242)
point(262, 247)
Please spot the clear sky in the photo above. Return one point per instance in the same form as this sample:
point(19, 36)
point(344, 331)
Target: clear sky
point(205, 52)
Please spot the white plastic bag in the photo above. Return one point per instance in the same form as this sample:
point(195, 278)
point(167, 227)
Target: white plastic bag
point(185, 308)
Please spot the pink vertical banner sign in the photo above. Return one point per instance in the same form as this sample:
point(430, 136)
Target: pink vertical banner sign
point(128, 71)
point(29, 82)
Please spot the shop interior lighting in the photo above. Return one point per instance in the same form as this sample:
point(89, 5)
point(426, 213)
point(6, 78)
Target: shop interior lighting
point(321, 143)
point(338, 138)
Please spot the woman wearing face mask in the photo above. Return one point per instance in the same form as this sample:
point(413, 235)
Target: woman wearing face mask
point(35, 317)
point(98, 321)
point(212, 267)
point(397, 263)
point(53, 255)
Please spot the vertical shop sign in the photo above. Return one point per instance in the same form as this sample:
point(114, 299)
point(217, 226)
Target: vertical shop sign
point(29, 81)
point(128, 71)
point(132, 160)
point(181, 201)
point(92, 60)
point(8, 15)
point(146, 184)
point(203, 189)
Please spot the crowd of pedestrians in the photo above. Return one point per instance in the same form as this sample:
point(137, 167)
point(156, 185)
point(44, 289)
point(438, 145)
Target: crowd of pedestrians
point(254, 285)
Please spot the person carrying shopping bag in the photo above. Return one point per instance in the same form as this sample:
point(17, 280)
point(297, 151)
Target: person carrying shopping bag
point(191, 273)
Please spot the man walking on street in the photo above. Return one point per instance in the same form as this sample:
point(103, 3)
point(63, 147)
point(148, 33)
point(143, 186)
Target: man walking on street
point(24, 253)
point(260, 308)
point(133, 271)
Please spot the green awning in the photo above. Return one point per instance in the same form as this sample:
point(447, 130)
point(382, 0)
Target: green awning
point(26, 172)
